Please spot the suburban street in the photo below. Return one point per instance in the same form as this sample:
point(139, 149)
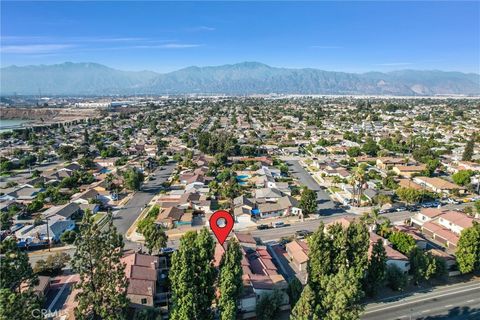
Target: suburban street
point(126, 215)
point(324, 202)
point(458, 301)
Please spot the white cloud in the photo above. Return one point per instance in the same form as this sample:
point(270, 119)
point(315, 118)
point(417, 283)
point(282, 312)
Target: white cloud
point(168, 46)
point(34, 48)
point(201, 28)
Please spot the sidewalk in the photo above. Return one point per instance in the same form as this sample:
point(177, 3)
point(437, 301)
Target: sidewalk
point(53, 249)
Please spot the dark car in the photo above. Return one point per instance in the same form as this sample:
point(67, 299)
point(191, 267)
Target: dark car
point(263, 227)
point(167, 250)
point(300, 234)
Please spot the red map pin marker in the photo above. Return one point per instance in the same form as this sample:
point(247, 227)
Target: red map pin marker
point(221, 223)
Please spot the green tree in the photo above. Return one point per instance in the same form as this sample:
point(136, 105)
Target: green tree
point(462, 177)
point(422, 265)
point(409, 195)
point(305, 307)
point(155, 237)
point(133, 179)
point(103, 285)
point(396, 279)
point(52, 265)
point(468, 250)
point(354, 152)
point(468, 151)
point(431, 166)
point(308, 202)
point(370, 147)
point(401, 241)
point(15, 270)
point(192, 276)
point(230, 281)
point(268, 306)
point(377, 269)
point(341, 296)
point(148, 314)
point(358, 240)
point(294, 291)
point(319, 258)
point(67, 152)
point(68, 237)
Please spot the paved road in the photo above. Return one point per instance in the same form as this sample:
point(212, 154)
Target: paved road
point(127, 214)
point(324, 202)
point(458, 301)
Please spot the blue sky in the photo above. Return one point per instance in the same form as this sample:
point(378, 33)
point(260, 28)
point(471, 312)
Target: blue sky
point(165, 36)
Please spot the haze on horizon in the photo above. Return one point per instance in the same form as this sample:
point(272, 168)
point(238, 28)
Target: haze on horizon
point(162, 36)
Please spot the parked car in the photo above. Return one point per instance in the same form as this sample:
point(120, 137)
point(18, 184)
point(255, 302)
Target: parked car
point(16, 227)
point(263, 227)
point(300, 234)
point(279, 224)
point(167, 250)
point(452, 201)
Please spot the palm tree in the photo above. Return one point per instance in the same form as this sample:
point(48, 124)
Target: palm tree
point(373, 218)
point(360, 177)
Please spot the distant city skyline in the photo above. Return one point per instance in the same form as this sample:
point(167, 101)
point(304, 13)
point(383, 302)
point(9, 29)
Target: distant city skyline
point(164, 36)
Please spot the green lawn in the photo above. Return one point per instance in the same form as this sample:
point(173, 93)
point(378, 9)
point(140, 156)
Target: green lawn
point(335, 189)
point(98, 216)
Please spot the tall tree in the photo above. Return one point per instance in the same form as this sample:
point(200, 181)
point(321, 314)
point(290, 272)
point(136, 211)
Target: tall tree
point(155, 237)
point(294, 291)
point(338, 254)
point(468, 250)
point(377, 269)
point(305, 307)
point(468, 151)
point(268, 305)
point(358, 240)
point(133, 178)
point(308, 202)
point(193, 276)
point(319, 257)
point(103, 285)
point(230, 281)
point(341, 296)
point(15, 271)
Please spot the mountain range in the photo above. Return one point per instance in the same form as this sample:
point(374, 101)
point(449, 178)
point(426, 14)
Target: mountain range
point(236, 79)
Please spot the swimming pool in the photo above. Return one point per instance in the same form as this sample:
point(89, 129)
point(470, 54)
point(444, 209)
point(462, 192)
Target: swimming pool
point(243, 177)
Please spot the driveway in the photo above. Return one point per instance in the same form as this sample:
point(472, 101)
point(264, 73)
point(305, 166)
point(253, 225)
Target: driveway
point(325, 204)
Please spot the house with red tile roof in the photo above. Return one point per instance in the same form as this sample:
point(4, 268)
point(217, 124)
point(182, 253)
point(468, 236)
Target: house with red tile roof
point(142, 273)
point(444, 226)
point(394, 257)
point(260, 274)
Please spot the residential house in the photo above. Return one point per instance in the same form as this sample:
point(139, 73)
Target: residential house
point(142, 273)
point(67, 211)
point(439, 185)
point(23, 194)
point(394, 257)
point(409, 171)
point(441, 225)
point(387, 163)
point(169, 217)
point(298, 253)
point(56, 227)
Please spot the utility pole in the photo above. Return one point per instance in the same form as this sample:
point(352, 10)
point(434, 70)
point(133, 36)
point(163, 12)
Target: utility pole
point(48, 234)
